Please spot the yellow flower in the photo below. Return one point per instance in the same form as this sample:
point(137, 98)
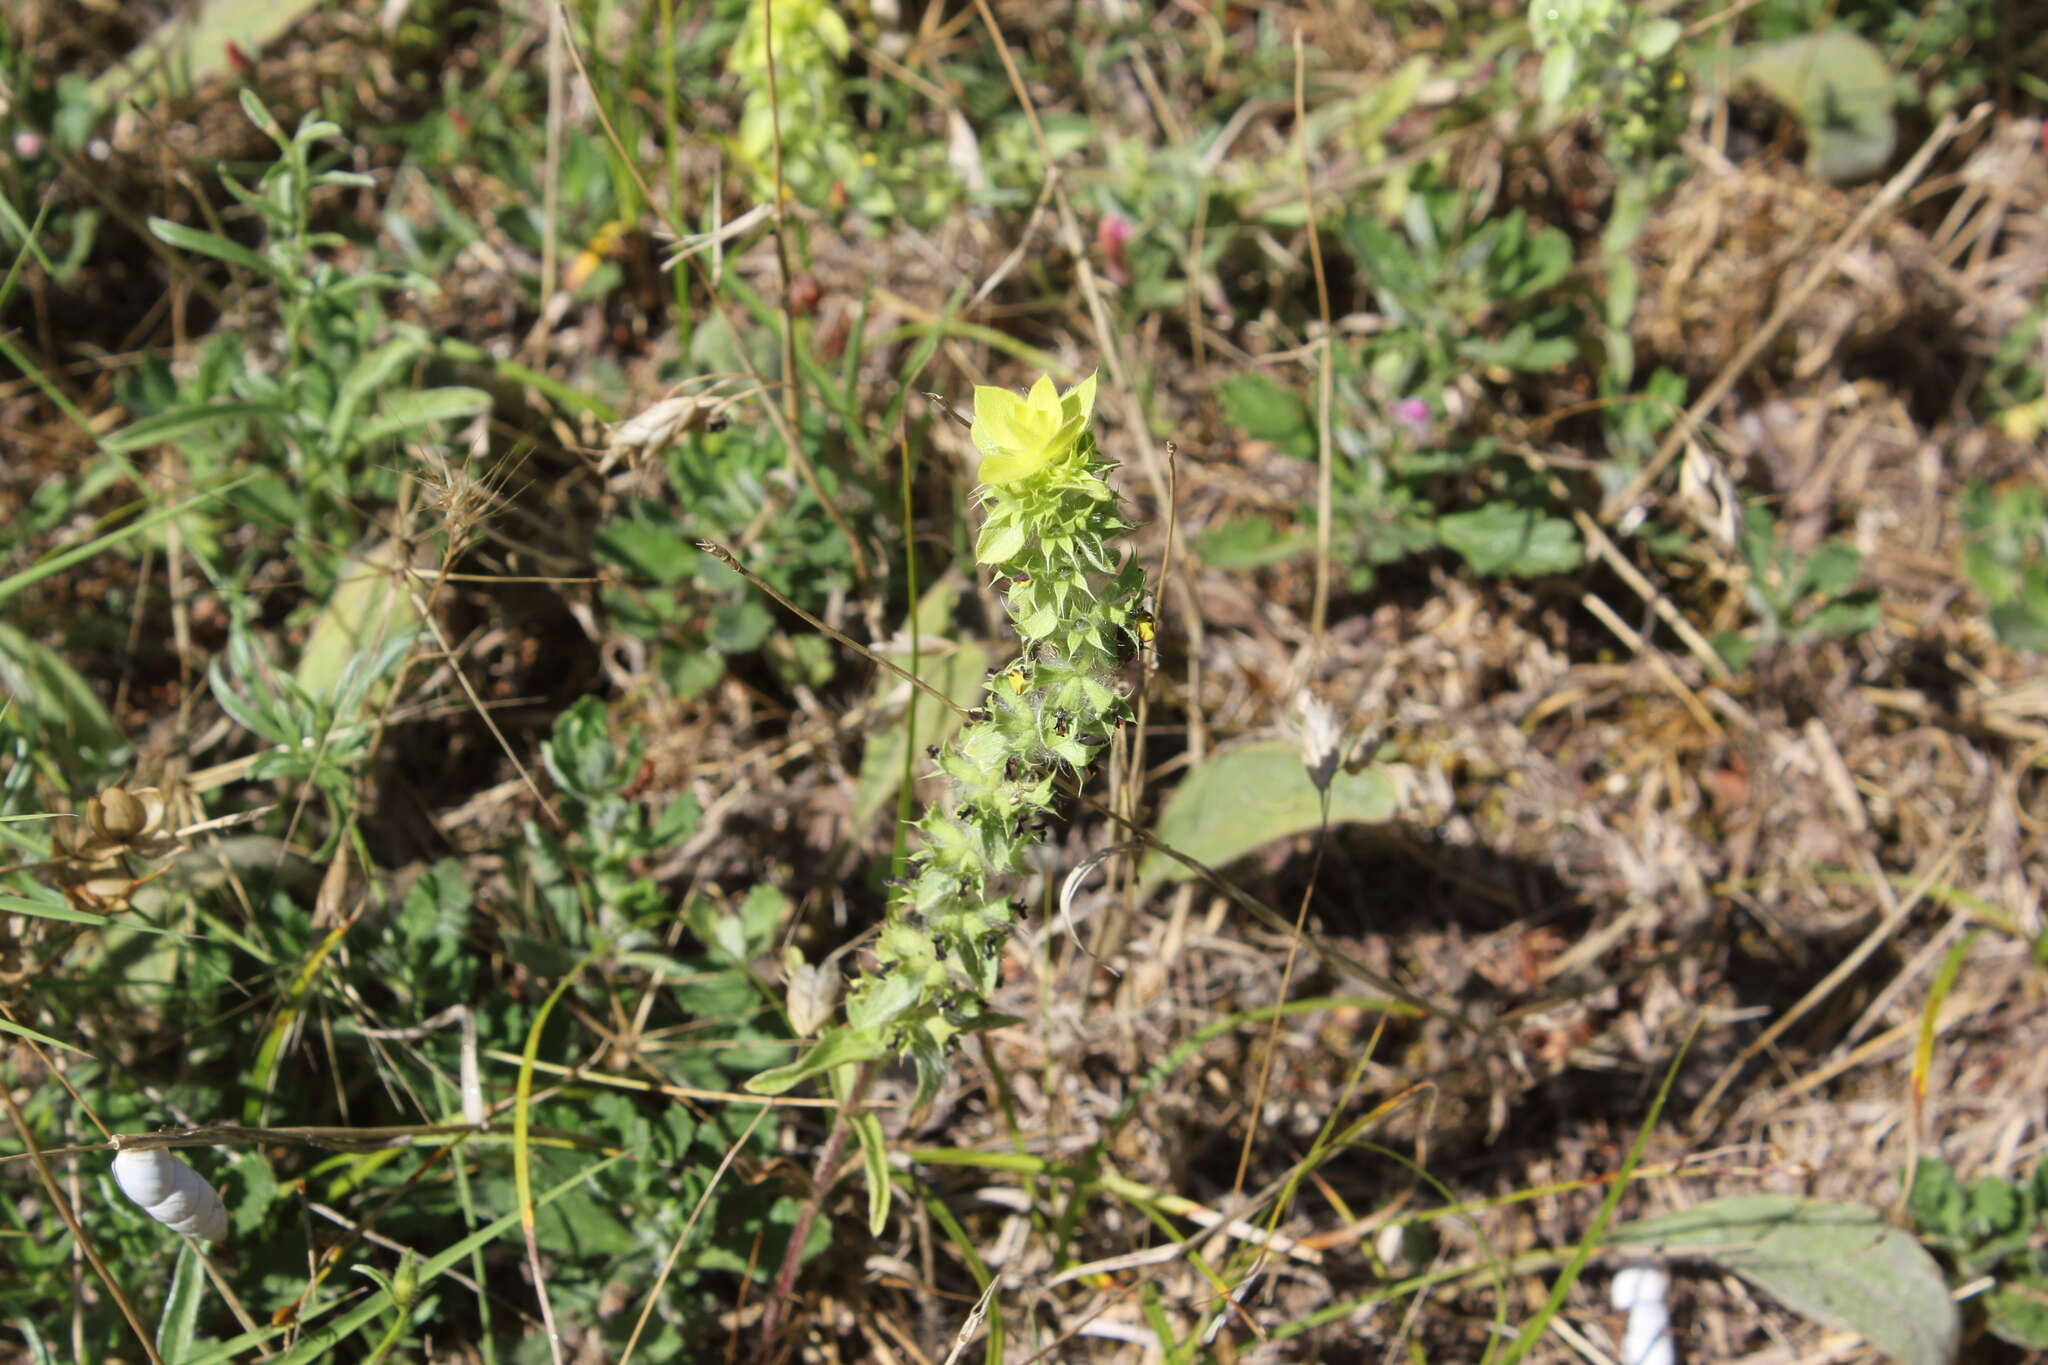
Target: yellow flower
point(1018, 437)
point(2024, 421)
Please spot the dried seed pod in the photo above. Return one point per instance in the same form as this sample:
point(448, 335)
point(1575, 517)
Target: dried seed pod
point(171, 1192)
point(657, 427)
point(116, 822)
point(116, 815)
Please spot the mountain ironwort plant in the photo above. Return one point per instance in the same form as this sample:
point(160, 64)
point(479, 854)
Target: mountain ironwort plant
point(1050, 517)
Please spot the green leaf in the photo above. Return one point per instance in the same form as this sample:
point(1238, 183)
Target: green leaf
point(647, 549)
point(1507, 538)
point(1841, 89)
point(1245, 798)
point(1829, 570)
point(1991, 573)
point(1545, 260)
point(204, 243)
point(24, 1031)
point(1265, 411)
point(371, 605)
point(999, 541)
point(1388, 263)
point(180, 1320)
point(1382, 107)
point(1737, 650)
point(165, 426)
point(836, 1048)
point(190, 46)
point(2018, 1312)
point(369, 375)
point(1249, 543)
point(1937, 1204)
point(405, 412)
point(1851, 615)
point(739, 626)
point(1656, 39)
point(2019, 627)
point(1560, 66)
point(56, 909)
point(874, 1161)
point(1994, 1205)
point(1839, 1264)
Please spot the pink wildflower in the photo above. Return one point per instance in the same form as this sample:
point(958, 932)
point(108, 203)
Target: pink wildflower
point(1110, 235)
point(1413, 416)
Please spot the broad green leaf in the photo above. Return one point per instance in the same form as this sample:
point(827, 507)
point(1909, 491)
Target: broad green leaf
point(1838, 1264)
point(647, 549)
point(739, 626)
point(180, 1320)
point(405, 412)
point(2018, 1312)
point(1937, 1204)
point(1841, 89)
point(1389, 266)
point(1656, 38)
point(1266, 411)
point(190, 46)
point(371, 605)
point(1554, 82)
point(836, 1048)
point(2020, 626)
point(1249, 543)
point(1507, 538)
point(1829, 570)
point(1545, 259)
point(1245, 798)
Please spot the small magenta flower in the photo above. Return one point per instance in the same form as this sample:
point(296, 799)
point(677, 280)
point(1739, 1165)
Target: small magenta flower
point(1413, 416)
point(28, 145)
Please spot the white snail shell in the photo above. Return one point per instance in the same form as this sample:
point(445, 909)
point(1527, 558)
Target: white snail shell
point(1639, 1291)
point(171, 1192)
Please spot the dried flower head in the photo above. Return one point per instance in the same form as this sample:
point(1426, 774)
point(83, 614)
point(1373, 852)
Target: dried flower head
point(810, 993)
point(1322, 739)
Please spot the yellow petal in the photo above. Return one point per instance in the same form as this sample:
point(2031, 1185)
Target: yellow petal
point(1079, 401)
point(1044, 397)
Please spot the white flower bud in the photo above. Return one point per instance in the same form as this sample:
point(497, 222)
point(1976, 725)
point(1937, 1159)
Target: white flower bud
point(171, 1192)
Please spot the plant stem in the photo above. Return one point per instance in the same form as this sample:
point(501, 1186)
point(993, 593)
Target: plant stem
point(821, 1185)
